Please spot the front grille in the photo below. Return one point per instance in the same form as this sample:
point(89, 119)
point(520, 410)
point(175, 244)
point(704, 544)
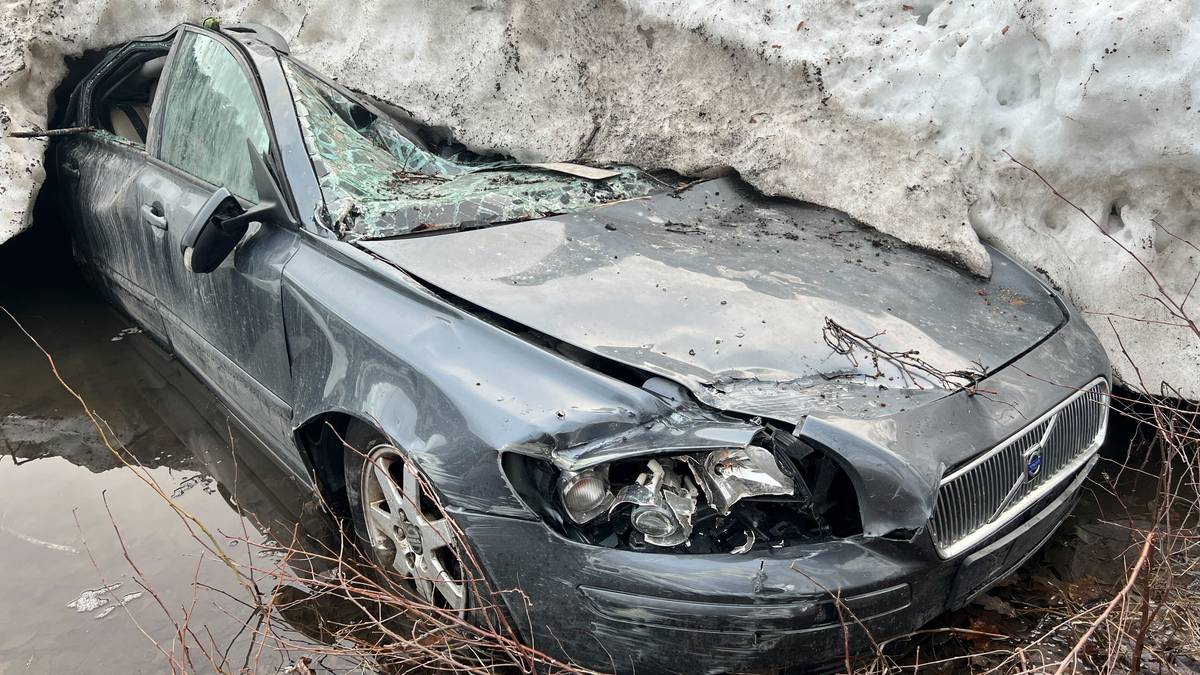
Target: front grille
point(978, 499)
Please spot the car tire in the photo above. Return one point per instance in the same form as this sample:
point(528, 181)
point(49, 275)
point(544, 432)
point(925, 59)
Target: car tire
point(399, 524)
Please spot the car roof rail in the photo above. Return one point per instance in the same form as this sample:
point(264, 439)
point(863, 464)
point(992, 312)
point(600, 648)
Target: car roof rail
point(267, 36)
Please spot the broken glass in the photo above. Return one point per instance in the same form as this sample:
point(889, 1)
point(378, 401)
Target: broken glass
point(380, 180)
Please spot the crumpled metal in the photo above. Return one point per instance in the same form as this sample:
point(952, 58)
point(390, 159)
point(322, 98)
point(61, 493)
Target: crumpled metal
point(665, 492)
point(746, 546)
point(730, 475)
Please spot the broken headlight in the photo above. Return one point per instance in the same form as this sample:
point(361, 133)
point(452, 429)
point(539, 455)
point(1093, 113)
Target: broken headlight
point(724, 500)
point(585, 494)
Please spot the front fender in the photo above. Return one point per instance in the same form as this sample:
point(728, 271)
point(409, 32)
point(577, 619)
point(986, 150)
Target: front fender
point(446, 386)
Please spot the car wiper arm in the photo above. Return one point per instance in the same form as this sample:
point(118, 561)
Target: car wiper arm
point(426, 229)
point(48, 133)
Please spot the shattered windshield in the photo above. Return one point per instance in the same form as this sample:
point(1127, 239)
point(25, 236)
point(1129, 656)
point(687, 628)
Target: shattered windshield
point(380, 180)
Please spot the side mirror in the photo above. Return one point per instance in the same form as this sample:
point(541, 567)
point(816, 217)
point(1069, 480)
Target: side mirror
point(222, 222)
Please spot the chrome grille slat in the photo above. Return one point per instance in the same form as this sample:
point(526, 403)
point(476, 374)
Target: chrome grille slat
point(972, 500)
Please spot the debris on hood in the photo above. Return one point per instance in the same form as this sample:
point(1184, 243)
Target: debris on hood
point(383, 182)
point(580, 170)
point(731, 292)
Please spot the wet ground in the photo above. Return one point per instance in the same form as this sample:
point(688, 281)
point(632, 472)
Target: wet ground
point(96, 568)
point(75, 520)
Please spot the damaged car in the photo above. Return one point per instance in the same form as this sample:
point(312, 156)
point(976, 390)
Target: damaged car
point(685, 420)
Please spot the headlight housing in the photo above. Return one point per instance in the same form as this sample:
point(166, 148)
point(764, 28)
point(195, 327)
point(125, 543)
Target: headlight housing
point(774, 492)
point(585, 494)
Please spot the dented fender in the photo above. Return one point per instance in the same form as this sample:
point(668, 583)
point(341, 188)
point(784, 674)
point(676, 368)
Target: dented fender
point(442, 384)
point(895, 493)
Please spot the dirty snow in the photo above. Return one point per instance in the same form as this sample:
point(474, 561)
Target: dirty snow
point(102, 599)
point(898, 114)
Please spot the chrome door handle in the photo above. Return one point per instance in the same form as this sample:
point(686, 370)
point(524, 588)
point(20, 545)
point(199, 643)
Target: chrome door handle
point(152, 213)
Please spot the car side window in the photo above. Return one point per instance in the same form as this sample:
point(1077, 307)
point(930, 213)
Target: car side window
point(209, 114)
point(122, 92)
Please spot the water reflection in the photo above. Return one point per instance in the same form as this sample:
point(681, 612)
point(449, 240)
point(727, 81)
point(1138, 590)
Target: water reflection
point(74, 520)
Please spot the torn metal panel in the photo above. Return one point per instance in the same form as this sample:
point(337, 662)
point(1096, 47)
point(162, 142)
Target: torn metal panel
point(379, 182)
point(682, 430)
point(896, 491)
point(744, 548)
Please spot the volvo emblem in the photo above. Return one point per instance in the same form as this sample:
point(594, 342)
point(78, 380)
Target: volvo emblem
point(1033, 463)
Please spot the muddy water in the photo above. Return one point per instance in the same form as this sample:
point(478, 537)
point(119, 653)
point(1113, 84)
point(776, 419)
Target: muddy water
point(70, 599)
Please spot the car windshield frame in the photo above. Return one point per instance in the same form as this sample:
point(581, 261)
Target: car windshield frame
point(381, 180)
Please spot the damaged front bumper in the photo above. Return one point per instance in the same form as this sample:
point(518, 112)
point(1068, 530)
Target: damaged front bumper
point(800, 605)
point(626, 611)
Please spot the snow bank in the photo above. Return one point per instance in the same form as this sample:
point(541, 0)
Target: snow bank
point(897, 114)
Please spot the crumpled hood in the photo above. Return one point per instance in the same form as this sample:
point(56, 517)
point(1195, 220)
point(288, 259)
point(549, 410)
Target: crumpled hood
point(729, 293)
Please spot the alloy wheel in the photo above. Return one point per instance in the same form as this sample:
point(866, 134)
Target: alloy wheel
point(408, 531)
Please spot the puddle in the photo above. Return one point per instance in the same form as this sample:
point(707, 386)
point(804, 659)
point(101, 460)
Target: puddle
point(72, 602)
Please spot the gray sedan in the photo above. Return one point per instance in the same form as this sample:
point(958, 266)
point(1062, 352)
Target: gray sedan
point(693, 425)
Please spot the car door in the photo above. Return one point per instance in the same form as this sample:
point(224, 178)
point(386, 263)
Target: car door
point(97, 173)
point(226, 324)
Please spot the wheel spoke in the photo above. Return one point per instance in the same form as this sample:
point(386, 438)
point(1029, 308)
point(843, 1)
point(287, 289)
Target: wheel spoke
point(437, 533)
point(387, 486)
point(425, 588)
point(383, 521)
point(454, 591)
point(412, 486)
point(422, 576)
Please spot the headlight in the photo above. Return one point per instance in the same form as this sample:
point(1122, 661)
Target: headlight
point(663, 504)
point(725, 500)
point(584, 494)
point(728, 476)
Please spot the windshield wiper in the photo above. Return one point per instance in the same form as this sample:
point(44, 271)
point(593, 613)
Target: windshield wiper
point(427, 229)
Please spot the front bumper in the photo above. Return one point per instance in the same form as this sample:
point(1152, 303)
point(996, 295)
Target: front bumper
point(623, 611)
point(801, 607)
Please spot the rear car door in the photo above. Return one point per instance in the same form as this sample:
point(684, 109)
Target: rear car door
point(98, 170)
point(226, 324)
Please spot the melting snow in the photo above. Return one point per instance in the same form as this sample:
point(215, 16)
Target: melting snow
point(899, 114)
